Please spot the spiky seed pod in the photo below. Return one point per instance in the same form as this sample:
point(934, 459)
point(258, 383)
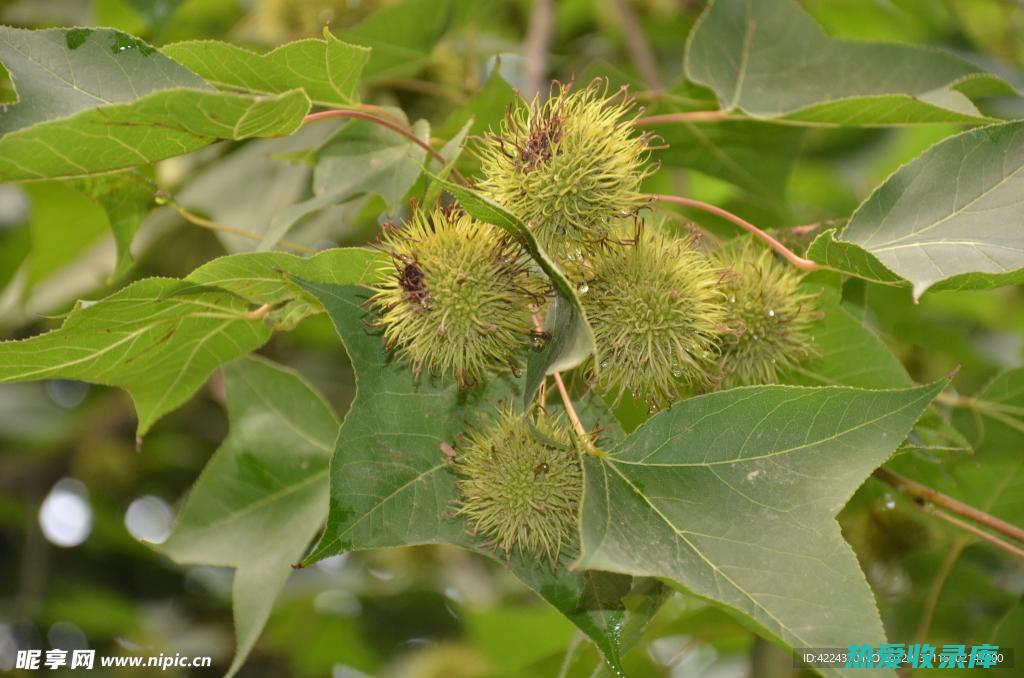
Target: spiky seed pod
point(567, 166)
point(770, 316)
point(520, 490)
point(455, 297)
point(656, 312)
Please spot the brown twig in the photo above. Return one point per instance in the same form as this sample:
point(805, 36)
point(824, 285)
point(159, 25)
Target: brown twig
point(536, 46)
point(929, 496)
point(640, 51)
point(975, 530)
point(790, 256)
point(384, 122)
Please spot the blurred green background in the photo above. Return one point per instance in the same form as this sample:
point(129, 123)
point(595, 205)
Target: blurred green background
point(77, 499)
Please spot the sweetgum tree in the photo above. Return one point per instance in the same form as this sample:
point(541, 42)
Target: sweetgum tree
point(565, 358)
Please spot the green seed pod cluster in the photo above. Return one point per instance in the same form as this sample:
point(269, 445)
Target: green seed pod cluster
point(656, 309)
point(567, 167)
point(456, 297)
point(520, 490)
point(770, 316)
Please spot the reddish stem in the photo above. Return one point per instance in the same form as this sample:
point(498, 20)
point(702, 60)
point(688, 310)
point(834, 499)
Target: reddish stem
point(384, 122)
point(790, 256)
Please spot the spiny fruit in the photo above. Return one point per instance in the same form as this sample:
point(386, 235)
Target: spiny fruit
point(518, 489)
point(456, 296)
point(656, 311)
point(567, 166)
point(770, 316)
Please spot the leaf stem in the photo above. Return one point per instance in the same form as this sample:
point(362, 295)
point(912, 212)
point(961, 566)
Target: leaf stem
point(639, 48)
point(790, 256)
point(384, 122)
point(259, 313)
point(197, 220)
point(570, 410)
point(927, 495)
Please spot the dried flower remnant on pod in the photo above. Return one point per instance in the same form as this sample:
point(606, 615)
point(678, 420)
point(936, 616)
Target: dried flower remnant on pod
point(568, 166)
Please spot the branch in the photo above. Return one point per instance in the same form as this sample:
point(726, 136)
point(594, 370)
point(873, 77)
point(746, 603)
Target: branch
point(788, 254)
point(536, 46)
point(935, 590)
point(640, 51)
point(384, 122)
point(927, 495)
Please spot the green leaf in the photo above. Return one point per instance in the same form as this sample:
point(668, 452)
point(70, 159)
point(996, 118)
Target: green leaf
point(401, 36)
point(251, 185)
point(59, 72)
point(96, 100)
point(953, 215)
point(161, 125)
point(361, 158)
point(753, 155)
point(994, 418)
point(159, 339)
point(391, 485)
point(733, 496)
point(127, 198)
point(269, 277)
point(263, 495)
point(846, 352)
point(328, 70)
point(571, 339)
point(769, 59)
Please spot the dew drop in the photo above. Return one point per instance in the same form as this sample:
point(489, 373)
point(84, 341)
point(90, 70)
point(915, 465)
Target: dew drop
point(771, 313)
point(732, 299)
point(888, 502)
point(604, 364)
point(677, 371)
point(583, 288)
point(652, 409)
